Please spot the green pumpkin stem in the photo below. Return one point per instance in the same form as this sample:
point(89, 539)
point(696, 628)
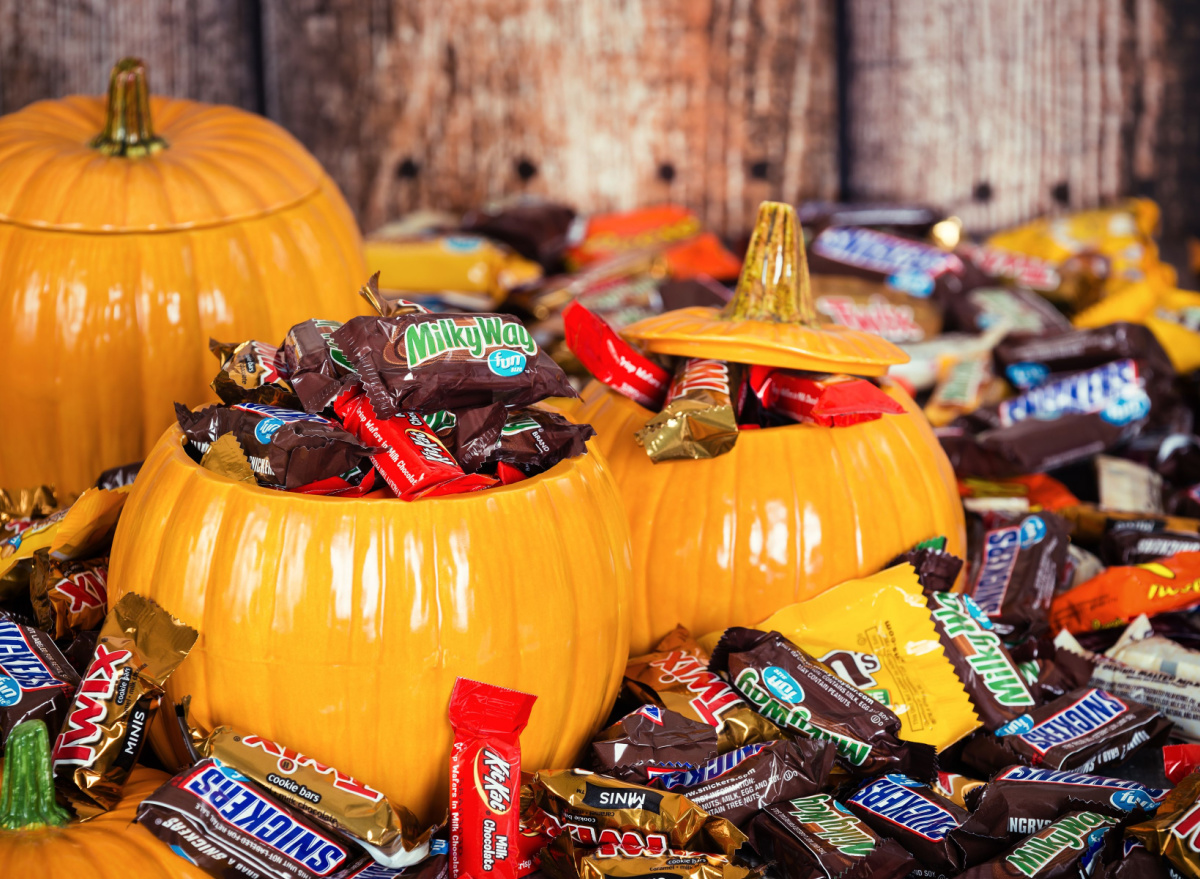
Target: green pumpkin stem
point(27, 793)
point(774, 285)
point(128, 130)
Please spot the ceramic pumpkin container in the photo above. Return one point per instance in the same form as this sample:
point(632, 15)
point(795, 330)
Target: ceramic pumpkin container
point(789, 511)
point(337, 626)
point(131, 230)
point(38, 839)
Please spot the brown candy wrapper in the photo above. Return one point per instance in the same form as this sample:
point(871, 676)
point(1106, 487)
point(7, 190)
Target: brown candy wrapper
point(628, 819)
point(140, 645)
point(676, 676)
point(650, 741)
point(118, 477)
point(250, 374)
point(36, 681)
point(316, 367)
point(1174, 831)
point(68, 597)
point(800, 695)
point(817, 837)
point(533, 440)
point(335, 800)
point(564, 859)
point(957, 788)
point(471, 435)
point(1064, 848)
point(699, 419)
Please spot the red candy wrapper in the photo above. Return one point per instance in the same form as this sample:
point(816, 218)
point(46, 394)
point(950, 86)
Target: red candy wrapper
point(413, 463)
point(612, 360)
point(485, 779)
point(1180, 761)
point(824, 400)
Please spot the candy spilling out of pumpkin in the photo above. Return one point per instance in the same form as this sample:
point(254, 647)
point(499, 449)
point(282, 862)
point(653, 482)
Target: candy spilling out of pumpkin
point(132, 229)
point(786, 509)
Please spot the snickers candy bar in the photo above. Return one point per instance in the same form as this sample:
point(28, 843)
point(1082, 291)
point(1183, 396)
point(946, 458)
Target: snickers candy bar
point(924, 822)
point(1133, 547)
point(1021, 800)
point(286, 448)
point(1082, 730)
point(653, 740)
point(738, 785)
point(677, 677)
point(915, 220)
point(427, 362)
point(534, 440)
point(316, 367)
point(801, 696)
point(1016, 562)
point(565, 859)
point(250, 374)
point(912, 267)
point(816, 837)
point(1028, 361)
point(1070, 847)
point(218, 819)
point(36, 681)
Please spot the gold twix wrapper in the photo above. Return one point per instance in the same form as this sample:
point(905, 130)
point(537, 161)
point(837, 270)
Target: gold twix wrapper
point(341, 803)
point(564, 859)
point(699, 419)
point(140, 645)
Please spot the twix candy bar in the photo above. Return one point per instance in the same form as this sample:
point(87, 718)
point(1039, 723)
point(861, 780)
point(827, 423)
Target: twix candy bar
point(485, 779)
point(699, 419)
point(140, 645)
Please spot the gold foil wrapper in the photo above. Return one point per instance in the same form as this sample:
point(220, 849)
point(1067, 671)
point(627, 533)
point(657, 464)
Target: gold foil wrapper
point(956, 787)
point(676, 676)
point(26, 503)
point(336, 800)
point(1174, 831)
point(699, 419)
point(68, 597)
point(226, 458)
point(587, 805)
point(564, 859)
point(140, 645)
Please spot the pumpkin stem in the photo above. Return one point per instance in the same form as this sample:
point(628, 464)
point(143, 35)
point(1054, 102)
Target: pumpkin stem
point(27, 794)
point(774, 285)
point(128, 130)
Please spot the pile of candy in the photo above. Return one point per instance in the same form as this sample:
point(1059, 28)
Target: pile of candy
point(407, 404)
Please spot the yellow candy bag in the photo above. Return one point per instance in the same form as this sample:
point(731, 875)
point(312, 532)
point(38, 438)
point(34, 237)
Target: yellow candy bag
point(876, 633)
point(1173, 316)
point(79, 531)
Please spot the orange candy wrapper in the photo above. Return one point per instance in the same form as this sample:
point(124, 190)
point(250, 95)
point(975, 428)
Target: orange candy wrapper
point(1122, 593)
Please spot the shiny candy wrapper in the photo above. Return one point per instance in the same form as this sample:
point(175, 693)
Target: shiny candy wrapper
point(1140, 647)
point(824, 400)
point(816, 837)
point(250, 374)
point(1120, 594)
point(800, 695)
point(1174, 831)
point(36, 681)
point(653, 740)
point(533, 440)
point(68, 597)
point(612, 360)
point(740, 784)
point(332, 798)
point(140, 645)
point(564, 859)
point(316, 367)
point(699, 419)
point(1066, 848)
point(676, 676)
point(630, 820)
point(218, 819)
point(957, 788)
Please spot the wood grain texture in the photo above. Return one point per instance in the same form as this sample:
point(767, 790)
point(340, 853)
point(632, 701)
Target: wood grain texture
point(202, 49)
point(1000, 110)
point(605, 104)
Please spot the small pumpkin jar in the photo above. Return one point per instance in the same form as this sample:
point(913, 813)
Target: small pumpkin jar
point(133, 229)
point(789, 511)
point(337, 626)
point(38, 839)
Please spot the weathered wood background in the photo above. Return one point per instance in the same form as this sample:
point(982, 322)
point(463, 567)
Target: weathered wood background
point(997, 110)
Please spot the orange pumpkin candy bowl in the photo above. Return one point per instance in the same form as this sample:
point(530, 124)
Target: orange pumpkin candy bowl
point(132, 229)
point(337, 626)
point(789, 511)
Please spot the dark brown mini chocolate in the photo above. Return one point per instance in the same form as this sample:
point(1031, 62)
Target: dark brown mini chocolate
point(936, 569)
point(316, 367)
point(250, 373)
point(1063, 849)
point(1134, 547)
point(533, 440)
point(118, 477)
point(36, 681)
point(1081, 349)
point(653, 740)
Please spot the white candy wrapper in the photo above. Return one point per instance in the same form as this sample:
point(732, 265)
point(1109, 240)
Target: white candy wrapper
point(1140, 647)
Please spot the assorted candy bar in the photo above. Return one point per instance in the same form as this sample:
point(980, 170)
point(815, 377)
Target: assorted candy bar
point(653, 741)
point(36, 681)
point(1067, 847)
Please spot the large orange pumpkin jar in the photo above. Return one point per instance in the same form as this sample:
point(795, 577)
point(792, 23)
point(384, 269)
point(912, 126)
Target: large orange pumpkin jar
point(131, 231)
point(337, 627)
point(789, 511)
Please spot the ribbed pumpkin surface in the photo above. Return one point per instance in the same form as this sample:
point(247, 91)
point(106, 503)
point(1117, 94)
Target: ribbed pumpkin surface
point(789, 512)
point(337, 627)
point(114, 272)
point(105, 847)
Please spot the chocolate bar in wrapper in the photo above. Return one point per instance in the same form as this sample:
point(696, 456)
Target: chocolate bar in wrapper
point(1066, 848)
point(1127, 858)
point(1174, 831)
point(564, 859)
point(116, 477)
point(68, 597)
point(1028, 361)
point(427, 362)
point(676, 676)
point(652, 740)
point(316, 367)
point(800, 695)
point(36, 681)
point(629, 819)
point(957, 788)
point(140, 645)
point(699, 419)
point(1081, 731)
point(937, 570)
point(533, 440)
point(250, 374)
point(816, 837)
point(469, 434)
point(740, 784)
point(218, 819)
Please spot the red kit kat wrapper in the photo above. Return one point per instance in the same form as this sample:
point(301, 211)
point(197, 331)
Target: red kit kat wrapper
point(612, 360)
point(485, 779)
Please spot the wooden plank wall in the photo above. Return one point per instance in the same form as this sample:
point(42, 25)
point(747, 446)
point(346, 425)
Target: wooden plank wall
point(995, 109)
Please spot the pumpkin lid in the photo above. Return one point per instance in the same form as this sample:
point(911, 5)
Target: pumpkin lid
point(135, 163)
point(771, 319)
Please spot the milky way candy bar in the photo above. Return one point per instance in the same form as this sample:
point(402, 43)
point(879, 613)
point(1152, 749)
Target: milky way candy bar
point(653, 740)
point(1066, 848)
